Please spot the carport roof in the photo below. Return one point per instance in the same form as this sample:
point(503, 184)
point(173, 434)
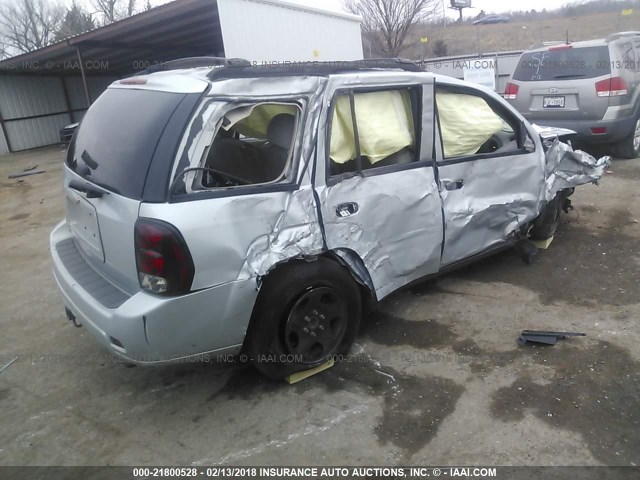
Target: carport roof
point(183, 28)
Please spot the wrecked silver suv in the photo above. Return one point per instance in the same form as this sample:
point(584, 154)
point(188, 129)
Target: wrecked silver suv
point(211, 210)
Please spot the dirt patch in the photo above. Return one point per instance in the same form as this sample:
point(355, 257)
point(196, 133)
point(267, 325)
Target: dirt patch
point(414, 407)
point(387, 329)
point(594, 391)
point(19, 216)
point(583, 266)
point(249, 385)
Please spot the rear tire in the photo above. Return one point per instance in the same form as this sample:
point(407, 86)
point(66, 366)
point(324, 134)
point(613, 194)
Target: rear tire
point(630, 147)
point(546, 224)
point(305, 313)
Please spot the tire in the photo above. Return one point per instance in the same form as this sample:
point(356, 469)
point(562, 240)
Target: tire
point(630, 147)
point(305, 313)
point(546, 224)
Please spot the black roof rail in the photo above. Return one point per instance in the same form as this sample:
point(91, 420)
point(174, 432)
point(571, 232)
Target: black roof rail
point(311, 68)
point(194, 62)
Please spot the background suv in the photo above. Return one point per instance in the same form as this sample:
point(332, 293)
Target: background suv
point(592, 87)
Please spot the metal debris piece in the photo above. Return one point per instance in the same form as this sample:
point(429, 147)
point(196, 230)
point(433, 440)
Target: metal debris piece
point(8, 365)
point(544, 337)
point(25, 174)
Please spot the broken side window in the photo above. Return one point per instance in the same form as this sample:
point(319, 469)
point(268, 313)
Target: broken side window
point(373, 129)
point(253, 145)
point(469, 125)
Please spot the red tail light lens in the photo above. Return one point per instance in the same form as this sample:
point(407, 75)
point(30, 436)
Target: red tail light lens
point(164, 263)
point(511, 91)
point(612, 87)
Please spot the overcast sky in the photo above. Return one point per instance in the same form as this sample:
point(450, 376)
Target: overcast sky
point(486, 5)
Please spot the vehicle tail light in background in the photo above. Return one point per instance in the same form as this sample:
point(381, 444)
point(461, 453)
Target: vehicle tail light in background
point(164, 263)
point(612, 87)
point(598, 130)
point(511, 91)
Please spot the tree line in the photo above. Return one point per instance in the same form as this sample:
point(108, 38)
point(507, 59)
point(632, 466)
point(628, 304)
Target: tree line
point(27, 25)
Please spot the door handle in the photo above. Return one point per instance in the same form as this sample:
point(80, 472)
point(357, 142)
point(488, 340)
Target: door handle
point(453, 184)
point(347, 209)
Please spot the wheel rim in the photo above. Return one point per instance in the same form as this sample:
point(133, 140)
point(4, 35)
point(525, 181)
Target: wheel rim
point(636, 137)
point(316, 324)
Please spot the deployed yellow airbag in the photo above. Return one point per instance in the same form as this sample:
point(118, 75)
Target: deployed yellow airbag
point(385, 125)
point(466, 123)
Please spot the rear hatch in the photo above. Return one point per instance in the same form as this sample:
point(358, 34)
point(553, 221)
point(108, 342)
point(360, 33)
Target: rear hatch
point(560, 83)
point(107, 165)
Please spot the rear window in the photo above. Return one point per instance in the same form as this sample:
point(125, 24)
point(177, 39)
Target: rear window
point(117, 138)
point(565, 63)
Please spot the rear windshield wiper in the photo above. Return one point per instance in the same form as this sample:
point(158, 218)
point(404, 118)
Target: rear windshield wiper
point(88, 160)
point(91, 190)
point(570, 75)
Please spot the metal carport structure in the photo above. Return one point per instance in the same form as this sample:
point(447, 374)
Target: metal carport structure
point(44, 90)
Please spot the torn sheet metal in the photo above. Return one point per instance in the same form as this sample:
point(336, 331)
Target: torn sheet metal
point(295, 234)
point(566, 168)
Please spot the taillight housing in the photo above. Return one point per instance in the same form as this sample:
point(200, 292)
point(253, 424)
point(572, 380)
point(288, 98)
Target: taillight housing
point(164, 263)
point(511, 91)
point(612, 87)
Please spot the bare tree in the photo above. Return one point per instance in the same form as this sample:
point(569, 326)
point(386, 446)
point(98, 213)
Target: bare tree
point(114, 10)
point(386, 23)
point(27, 25)
point(76, 20)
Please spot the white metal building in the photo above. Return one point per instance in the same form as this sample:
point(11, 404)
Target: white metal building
point(44, 90)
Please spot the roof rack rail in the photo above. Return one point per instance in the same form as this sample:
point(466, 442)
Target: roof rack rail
point(618, 35)
point(311, 68)
point(194, 62)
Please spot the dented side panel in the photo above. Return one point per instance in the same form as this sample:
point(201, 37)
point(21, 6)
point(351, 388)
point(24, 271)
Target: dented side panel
point(497, 197)
point(397, 229)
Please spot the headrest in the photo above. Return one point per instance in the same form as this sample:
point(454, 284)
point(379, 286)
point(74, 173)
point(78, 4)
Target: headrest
point(280, 130)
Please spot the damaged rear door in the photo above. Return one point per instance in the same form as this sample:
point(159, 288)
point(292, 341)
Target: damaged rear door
point(491, 170)
point(376, 181)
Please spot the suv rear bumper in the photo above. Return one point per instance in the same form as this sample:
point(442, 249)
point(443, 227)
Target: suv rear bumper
point(617, 129)
point(150, 329)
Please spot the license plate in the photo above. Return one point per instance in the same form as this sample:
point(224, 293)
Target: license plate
point(553, 102)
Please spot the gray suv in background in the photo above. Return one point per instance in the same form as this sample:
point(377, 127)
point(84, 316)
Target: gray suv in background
point(592, 87)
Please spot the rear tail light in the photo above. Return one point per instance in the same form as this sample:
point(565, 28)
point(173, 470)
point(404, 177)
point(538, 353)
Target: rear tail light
point(612, 87)
point(164, 263)
point(511, 91)
point(598, 130)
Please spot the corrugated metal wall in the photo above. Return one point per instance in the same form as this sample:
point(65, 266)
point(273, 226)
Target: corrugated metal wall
point(34, 109)
point(268, 31)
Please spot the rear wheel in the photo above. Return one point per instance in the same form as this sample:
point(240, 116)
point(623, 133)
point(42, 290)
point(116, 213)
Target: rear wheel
point(630, 146)
point(305, 313)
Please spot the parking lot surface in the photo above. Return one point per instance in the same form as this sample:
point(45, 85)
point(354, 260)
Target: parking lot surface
point(435, 378)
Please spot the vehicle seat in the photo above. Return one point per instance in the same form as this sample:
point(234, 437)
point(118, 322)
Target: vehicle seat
point(276, 153)
point(399, 158)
